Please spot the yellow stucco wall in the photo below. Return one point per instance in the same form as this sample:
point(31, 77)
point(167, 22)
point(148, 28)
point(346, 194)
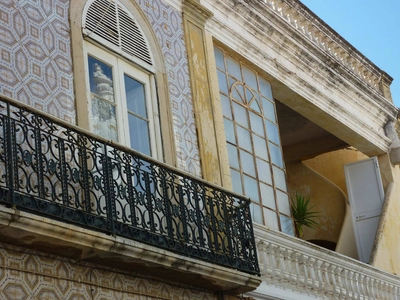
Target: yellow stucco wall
point(330, 165)
point(386, 253)
point(328, 199)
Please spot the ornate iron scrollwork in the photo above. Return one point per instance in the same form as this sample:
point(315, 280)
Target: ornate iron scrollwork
point(50, 169)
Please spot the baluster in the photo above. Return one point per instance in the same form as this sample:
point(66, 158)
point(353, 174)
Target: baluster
point(109, 189)
point(10, 159)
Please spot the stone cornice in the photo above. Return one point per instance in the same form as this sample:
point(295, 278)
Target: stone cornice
point(262, 36)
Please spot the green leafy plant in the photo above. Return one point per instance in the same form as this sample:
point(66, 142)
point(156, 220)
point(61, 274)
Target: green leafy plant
point(302, 213)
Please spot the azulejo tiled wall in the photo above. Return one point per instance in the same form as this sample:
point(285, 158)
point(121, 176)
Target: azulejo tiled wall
point(167, 24)
point(36, 64)
point(26, 274)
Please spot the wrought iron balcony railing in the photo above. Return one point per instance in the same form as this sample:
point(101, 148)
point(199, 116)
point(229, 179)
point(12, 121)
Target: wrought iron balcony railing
point(57, 170)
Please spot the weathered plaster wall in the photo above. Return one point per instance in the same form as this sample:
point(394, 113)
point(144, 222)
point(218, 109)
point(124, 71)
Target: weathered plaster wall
point(386, 253)
point(330, 165)
point(26, 274)
point(328, 199)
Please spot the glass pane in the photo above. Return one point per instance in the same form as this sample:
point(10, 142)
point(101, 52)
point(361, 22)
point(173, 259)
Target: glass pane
point(236, 182)
point(139, 134)
point(283, 202)
point(104, 119)
point(249, 95)
point(219, 58)
point(260, 147)
point(272, 132)
point(255, 106)
point(135, 97)
point(271, 219)
point(226, 106)
point(247, 162)
point(235, 93)
point(265, 88)
point(244, 138)
point(287, 225)
point(250, 78)
point(264, 171)
point(269, 109)
point(101, 79)
point(256, 214)
point(233, 68)
point(240, 114)
point(233, 156)
point(279, 177)
point(267, 196)
point(257, 124)
point(276, 155)
point(229, 131)
point(251, 188)
point(223, 87)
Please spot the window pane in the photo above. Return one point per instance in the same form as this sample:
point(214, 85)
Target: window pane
point(272, 132)
point(229, 131)
point(271, 219)
point(265, 88)
point(257, 124)
point(233, 156)
point(247, 163)
point(283, 202)
point(256, 214)
point(135, 97)
point(226, 106)
point(223, 87)
point(101, 79)
point(267, 196)
point(104, 119)
point(251, 188)
point(260, 147)
point(276, 155)
point(279, 177)
point(244, 138)
point(264, 172)
point(240, 115)
point(236, 182)
point(219, 58)
point(287, 225)
point(139, 134)
point(233, 68)
point(250, 78)
point(269, 110)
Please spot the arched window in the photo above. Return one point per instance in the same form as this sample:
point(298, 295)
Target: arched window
point(120, 77)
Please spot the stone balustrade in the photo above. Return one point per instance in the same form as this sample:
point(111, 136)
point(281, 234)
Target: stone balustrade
point(327, 40)
point(303, 268)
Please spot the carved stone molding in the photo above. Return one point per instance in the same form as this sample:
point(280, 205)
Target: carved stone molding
point(296, 267)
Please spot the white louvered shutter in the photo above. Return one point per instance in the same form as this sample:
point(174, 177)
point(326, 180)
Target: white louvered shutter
point(113, 26)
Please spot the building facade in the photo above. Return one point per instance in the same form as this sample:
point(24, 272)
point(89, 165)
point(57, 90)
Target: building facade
point(150, 149)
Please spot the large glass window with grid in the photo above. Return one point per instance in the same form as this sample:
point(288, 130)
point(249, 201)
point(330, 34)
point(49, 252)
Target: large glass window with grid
point(253, 141)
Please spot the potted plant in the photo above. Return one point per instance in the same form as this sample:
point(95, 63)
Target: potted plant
point(303, 214)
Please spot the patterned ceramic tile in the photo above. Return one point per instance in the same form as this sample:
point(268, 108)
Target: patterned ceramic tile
point(25, 274)
point(36, 65)
point(167, 24)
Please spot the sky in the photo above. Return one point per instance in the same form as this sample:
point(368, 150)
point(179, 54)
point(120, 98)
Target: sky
point(371, 26)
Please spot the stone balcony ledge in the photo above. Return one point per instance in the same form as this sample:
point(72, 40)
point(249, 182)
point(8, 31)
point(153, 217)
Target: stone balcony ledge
point(301, 268)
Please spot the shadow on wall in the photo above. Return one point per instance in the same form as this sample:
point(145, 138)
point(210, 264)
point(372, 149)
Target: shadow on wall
point(328, 200)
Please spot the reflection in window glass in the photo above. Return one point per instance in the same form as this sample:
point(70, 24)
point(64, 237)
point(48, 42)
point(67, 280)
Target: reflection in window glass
point(139, 134)
point(135, 98)
point(104, 118)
